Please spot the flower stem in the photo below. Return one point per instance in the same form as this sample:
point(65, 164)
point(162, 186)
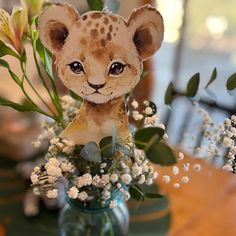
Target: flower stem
point(33, 88)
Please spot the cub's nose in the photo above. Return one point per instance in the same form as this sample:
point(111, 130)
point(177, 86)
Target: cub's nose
point(96, 86)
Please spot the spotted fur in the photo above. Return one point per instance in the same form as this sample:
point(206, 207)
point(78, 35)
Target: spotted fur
point(96, 40)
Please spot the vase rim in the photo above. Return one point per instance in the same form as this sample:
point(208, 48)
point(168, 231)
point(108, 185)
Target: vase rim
point(76, 204)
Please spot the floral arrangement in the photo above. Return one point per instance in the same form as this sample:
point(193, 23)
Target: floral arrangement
point(93, 172)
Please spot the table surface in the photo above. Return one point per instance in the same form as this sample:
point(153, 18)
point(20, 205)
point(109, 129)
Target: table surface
point(204, 206)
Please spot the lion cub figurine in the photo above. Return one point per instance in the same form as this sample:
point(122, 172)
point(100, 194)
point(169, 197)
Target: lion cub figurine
point(99, 57)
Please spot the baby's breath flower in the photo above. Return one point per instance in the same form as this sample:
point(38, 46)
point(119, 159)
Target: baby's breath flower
point(228, 168)
point(134, 104)
point(175, 170)
point(34, 178)
point(67, 166)
point(166, 179)
point(176, 185)
point(149, 181)
point(136, 170)
point(181, 156)
point(126, 178)
point(186, 166)
point(185, 179)
point(37, 144)
point(142, 179)
point(114, 178)
point(146, 103)
point(73, 192)
point(197, 167)
point(227, 142)
point(162, 126)
point(54, 141)
point(52, 193)
point(83, 196)
point(148, 111)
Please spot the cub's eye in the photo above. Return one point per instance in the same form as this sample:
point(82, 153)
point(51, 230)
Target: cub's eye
point(116, 68)
point(76, 67)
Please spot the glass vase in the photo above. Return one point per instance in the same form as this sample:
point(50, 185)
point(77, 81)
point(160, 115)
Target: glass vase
point(78, 220)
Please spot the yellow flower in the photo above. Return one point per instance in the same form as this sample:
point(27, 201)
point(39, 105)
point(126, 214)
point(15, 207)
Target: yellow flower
point(12, 27)
point(33, 6)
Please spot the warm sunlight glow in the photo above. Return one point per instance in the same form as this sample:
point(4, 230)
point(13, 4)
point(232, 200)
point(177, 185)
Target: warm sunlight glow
point(172, 12)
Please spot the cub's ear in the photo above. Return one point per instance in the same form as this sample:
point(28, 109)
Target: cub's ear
point(147, 28)
point(54, 25)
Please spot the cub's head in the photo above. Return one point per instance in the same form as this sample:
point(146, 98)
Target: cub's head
point(99, 55)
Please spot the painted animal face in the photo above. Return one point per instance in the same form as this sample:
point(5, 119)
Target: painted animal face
point(99, 55)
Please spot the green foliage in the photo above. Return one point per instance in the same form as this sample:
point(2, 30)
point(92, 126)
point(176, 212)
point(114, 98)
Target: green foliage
point(136, 192)
point(4, 50)
point(95, 5)
point(192, 86)
point(231, 82)
point(153, 195)
point(160, 153)
point(144, 73)
point(45, 57)
point(106, 146)
point(169, 95)
point(144, 136)
point(113, 5)
point(5, 64)
point(22, 108)
point(149, 140)
point(213, 78)
point(75, 96)
point(91, 152)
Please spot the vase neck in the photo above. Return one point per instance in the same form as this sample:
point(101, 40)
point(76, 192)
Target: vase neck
point(81, 206)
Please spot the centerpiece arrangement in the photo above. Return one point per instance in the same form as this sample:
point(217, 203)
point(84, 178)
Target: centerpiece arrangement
point(94, 152)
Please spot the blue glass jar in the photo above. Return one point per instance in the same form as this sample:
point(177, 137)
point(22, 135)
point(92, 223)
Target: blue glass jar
point(78, 220)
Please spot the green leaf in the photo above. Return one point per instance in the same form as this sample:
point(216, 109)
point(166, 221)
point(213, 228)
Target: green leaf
point(106, 146)
point(143, 136)
point(169, 96)
point(5, 50)
point(95, 5)
point(231, 82)
point(75, 96)
point(113, 5)
point(193, 85)
point(91, 152)
point(153, 195)
point(213, 77)
point(160, 153)
point(122, 148)
point(5, 64)
point(22, 108)
point(45, 57)
point(136, 192)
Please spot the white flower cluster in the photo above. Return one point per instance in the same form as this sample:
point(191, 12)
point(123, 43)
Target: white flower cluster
point(70, 108)
point(51, 128)
point(123, 173)
point(176, 171)
point(46, 177)
point(229, 141)
point(147, 114)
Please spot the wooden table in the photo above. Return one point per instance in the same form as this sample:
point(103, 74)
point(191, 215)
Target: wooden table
point(206, 206)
